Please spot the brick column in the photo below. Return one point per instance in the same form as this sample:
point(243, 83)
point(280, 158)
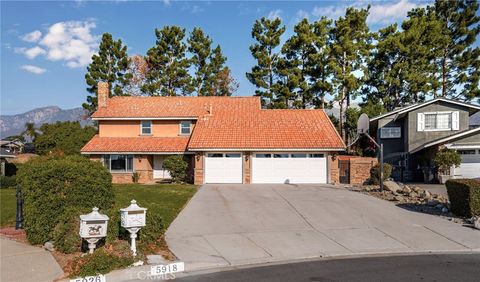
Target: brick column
point(334, 171)
point(247, 160)
point(198, 169)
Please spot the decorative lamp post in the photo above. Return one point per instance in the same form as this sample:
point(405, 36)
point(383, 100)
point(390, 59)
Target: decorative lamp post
point(93, 227)
point(133, 218)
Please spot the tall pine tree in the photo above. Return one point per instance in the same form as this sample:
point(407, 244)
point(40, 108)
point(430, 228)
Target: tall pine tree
point(264, 75)
point(168, 65)
point(109, 65)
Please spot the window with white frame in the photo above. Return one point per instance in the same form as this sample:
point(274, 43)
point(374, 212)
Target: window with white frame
point(390, 132)
point(146, 127)
point(185, 127)
point(118, 163)
point(438, 121)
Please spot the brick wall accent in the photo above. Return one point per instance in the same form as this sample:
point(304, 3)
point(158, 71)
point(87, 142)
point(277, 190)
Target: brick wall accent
point(360, 169)
point(198, 169)
point(334, 171)
point(247, 168)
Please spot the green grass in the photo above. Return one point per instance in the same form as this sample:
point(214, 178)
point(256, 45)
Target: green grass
point(165, 199)
point(7, 207)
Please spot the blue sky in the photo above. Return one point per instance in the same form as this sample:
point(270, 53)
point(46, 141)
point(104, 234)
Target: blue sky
point(46, 45)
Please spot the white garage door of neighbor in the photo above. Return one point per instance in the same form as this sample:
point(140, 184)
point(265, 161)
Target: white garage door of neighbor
point(470, 165)
point(223, 168)
point(289, 168)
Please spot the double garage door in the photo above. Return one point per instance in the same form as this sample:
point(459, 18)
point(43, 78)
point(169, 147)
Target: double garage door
point(267, 168)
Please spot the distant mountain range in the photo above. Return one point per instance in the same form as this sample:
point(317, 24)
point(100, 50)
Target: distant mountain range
point(15, 124)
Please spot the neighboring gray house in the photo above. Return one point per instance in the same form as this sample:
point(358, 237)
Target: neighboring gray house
point(412, 135)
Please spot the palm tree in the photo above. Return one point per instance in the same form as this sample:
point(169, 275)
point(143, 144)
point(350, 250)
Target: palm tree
point(30, 131)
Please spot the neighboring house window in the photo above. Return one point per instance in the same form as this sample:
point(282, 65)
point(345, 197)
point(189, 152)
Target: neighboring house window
point(185, 127)
point(118, 163)
point(438, 121)
point(146, 127)
point(390, 132)
point(466, 152)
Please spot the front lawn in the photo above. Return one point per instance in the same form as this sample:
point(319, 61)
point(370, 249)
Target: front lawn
point(7, 207)
point(165, 199)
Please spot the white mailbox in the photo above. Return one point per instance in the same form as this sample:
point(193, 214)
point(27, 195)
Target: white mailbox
point(93, 227)
point(133, 218)
point(133, 215)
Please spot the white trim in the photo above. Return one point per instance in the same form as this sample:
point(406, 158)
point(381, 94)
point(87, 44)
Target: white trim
point(462, 147)
point(146, 118)
point(141, 128)
point(268, 150)
point(180, 128)
point(416, 106)
point(390, 127)
point(136, 153)
point(436, 121)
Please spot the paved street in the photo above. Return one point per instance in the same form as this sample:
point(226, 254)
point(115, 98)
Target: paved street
point(22, 262)
point(405, 268)
point(229, 225)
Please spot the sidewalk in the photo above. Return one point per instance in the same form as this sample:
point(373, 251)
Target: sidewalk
point(21, 262)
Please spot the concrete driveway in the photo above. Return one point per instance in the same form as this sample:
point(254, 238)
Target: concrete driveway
point(227, 225)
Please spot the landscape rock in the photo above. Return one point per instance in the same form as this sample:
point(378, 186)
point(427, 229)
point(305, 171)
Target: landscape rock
point(407, 190)
point(398, 198)
point(137, 263)
point(416, 189)
point(444, 210)
point(476, 223)
point(49, 246)
point(391, 186)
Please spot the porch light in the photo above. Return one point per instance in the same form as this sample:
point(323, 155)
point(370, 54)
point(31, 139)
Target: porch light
point(93, 227)
point(133, 218)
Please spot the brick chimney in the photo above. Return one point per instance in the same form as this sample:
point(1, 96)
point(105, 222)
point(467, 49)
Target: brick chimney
point(103, 93)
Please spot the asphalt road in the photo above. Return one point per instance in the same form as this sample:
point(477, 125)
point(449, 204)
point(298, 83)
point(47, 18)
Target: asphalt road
point(451, 267)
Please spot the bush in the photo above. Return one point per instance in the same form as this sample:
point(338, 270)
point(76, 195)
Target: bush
point(101, 262)
point(65, 233)
point(177, 166)
point(49, 185)
point(135, 177)
point(375, 173)
point(8, 182)
point(464, 196)
point(445, 159)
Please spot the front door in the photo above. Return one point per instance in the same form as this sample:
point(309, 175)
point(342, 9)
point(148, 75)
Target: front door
point(158, 171)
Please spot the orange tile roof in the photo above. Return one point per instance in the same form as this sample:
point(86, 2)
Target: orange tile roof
point(266, 129)
point(164, 107)
point(136, 144)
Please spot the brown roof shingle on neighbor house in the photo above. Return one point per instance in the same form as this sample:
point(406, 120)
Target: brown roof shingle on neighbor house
point(136, 144)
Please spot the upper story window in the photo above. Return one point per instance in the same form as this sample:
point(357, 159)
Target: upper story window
point(185, 127)
point(146, 127)
point(390, 132)
point(438, 121)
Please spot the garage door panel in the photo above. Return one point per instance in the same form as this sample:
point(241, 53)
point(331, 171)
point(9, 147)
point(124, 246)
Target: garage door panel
point(223, 170)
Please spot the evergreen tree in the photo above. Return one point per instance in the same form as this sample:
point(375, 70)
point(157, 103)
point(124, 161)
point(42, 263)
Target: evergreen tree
point(168, 66)
point(458, 61)
point(199, 45)
point(350, 46)
point(321, 72)
point(109, 65)
point(264, 74)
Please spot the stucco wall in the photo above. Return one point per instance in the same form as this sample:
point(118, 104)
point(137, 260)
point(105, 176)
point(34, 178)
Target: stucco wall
point(418, 138)
point(131, 128)
point(470, 139)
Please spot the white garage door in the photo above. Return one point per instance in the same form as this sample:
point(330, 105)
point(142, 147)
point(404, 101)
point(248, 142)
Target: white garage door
point(289, 168)
point(223, 168)
point(470, 166)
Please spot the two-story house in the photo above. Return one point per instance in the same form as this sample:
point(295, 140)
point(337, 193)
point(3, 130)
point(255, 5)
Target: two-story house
point(412, 135)
point(224, 139)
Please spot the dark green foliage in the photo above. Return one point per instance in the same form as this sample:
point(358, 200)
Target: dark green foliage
point(135, 177)
point(168, 65)
point(15, 137)
point(50, 185)
point(153, 230)
point(375, 173)
point(63, 138)
point(8, 182)
point(464, 196)
point(177, 166)
point(100, 262)
point(109, 65)
point(65, 233)
point(445, 159)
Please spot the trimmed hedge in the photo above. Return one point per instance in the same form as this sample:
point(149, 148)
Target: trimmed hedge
point(464, 195)
point(375, 173)
point(50, 185)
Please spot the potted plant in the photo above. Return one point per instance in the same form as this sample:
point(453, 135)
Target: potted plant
point(444, 160)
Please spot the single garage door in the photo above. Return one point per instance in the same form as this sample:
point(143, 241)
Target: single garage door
point(289, 168)
point(470, 165)
point(223, 168)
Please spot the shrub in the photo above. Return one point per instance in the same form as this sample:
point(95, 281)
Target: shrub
point(464, 196)
point(177, 166)
point(8, 181)
point(65, 233)
point(101, 262)
point(375, 173)
point(135, 177)
point(49, 185)
point(445, 159)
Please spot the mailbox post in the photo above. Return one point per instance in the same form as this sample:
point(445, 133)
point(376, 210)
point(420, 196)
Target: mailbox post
point(133, 218)
point(93, 227)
